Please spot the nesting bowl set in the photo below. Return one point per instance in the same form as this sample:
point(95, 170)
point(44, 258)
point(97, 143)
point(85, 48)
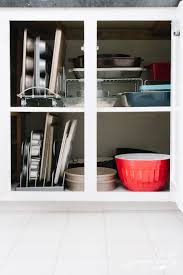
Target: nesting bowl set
point(106, 179)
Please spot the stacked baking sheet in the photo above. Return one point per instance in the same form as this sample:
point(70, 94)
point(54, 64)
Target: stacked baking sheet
point(65, 151)
point(42, 166)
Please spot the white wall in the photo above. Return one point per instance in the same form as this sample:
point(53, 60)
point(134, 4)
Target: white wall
point(149, 131)
point(149, 50)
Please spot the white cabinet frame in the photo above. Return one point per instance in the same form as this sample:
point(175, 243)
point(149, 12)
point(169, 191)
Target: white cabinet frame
point(90, 16)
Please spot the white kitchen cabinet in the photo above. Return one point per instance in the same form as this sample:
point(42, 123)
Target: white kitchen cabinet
point(173, 114)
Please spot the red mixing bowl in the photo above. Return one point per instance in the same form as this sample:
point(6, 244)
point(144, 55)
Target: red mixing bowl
point(143, 171)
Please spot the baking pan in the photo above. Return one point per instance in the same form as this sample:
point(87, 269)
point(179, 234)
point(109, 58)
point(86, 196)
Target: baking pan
point(156, 82)
point(78, 62)
point(76, 186)
point(75, 174)
point(62, 147)
point(106, 179)
point(143, 99)
point(115, 61)
point(106, 186)
point(158, 87)
point(109, 60)
point(105, 174)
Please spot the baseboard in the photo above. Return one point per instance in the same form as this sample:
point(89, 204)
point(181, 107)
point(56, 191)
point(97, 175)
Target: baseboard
point(87, 206)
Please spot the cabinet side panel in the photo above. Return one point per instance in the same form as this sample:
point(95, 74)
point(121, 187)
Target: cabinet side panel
point(5, 173)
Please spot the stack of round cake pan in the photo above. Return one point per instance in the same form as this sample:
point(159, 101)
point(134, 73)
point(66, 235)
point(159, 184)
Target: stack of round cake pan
point(106, 179)
point(74, 179)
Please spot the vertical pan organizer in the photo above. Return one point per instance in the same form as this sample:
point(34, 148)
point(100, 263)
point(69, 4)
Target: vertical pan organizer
point(40, 82)
point(44, 161)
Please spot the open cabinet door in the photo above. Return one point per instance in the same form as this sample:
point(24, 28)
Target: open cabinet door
point(177, 108)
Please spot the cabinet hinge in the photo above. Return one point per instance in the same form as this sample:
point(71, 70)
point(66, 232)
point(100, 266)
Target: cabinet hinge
point(176, 33)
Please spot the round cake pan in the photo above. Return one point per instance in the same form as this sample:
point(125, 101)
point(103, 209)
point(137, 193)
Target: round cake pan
point(75, 174)
point(106, 186)
point(105, 173)
point(76, 180)
point(101, 180)
point(74, 186)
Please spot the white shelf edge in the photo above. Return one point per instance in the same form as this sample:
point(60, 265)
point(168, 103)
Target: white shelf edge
point(113, 69)
point(82, 109)
point(133, 109)
point(23, 196)
point(47, 109)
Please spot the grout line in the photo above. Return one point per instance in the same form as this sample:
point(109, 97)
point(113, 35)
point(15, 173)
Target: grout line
point(61, 241)
point(178, 218)
point(16, 242)
point(107, 255)
point(155, 253)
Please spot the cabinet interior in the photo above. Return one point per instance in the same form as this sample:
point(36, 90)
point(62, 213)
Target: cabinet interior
point(118, 131)
point(73, 32)
point(149, 40)
point(150, 131)
point(22, 124)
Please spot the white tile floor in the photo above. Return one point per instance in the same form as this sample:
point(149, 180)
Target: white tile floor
point(101, 243)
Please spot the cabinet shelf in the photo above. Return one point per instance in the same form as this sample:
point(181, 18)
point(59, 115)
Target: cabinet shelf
point(47, 109)
point(132, 109)
point(115, 72)
point(128, 196)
